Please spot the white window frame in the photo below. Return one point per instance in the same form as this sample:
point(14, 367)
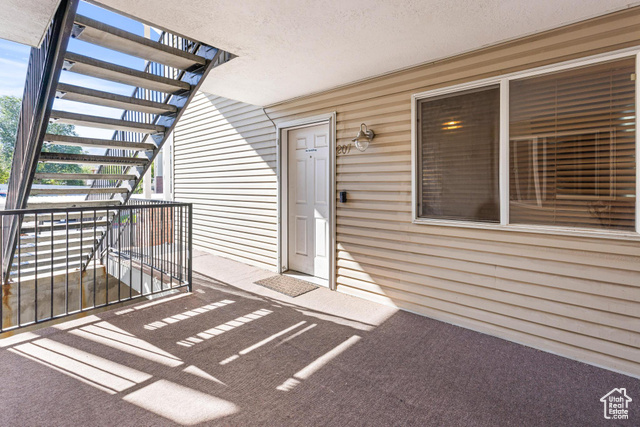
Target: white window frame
point(503, 82)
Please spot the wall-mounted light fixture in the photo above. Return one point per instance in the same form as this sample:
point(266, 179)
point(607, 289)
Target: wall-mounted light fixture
point(363, 138)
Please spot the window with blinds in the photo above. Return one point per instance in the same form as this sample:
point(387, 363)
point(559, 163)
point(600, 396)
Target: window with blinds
point(572, 148)
point(458, 143)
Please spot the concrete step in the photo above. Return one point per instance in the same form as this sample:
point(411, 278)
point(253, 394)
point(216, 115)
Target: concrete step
point(74, 189)
point(90, 159)
point(84, 176)
point(45, 268)
point(101, 34)
point(106, 70)
point(27, 254)
point(96, 97)
point(29, 261)
point(104, 122)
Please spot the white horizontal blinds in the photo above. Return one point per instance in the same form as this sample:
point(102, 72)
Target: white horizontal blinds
point(572, 148)
point(459, 143)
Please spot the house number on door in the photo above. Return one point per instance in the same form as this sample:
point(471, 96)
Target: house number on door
point(343, 149)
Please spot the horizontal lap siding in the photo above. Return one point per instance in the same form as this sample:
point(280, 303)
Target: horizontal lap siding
point(225, 164)
point(575, 296)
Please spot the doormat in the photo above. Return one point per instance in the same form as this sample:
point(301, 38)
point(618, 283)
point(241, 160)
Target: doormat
point(287, 285)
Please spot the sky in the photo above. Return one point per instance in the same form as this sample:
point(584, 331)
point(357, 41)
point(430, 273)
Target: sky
point(14, 58)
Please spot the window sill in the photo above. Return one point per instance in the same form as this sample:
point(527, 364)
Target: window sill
point(533, 229)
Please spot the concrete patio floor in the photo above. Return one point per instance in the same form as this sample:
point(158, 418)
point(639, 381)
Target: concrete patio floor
point(234, 353)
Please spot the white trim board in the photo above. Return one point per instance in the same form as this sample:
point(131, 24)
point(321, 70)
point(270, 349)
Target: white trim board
point(282, 167)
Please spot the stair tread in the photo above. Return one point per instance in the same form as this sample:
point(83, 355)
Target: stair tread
point(45, 228)
point(58, 216)
point(26, 244)
point(73, 189)
point(57, 253)
point(60, 235)
point(102, 34)
point(60, 238)
point(98, 142)
point(56, 272)
point(46, 260)
point(106, 70)
point(105, 122)
point(91, 96)
point(84, 176)
point(44, 270)
point(74, 244)
point(90, 158)
point(71, 204)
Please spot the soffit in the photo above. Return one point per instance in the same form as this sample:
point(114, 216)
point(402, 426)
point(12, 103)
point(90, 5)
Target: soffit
point(25, 21)
point(288, 48)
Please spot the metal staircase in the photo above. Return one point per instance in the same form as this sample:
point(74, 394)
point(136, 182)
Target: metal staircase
point(175, 67)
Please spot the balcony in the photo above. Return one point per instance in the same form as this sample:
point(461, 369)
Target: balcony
point(235, 353)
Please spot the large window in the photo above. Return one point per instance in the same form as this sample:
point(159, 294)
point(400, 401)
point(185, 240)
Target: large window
point(572, 148)
point(459, 155)
point(568, 150)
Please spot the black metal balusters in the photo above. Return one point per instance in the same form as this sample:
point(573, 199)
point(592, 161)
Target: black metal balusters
point(153, 237)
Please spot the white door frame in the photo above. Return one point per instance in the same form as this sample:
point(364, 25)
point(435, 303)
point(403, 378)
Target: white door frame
point(282, 160)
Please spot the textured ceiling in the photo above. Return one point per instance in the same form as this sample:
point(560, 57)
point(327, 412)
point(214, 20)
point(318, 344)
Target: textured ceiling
point(25, 21)
point(290, 48)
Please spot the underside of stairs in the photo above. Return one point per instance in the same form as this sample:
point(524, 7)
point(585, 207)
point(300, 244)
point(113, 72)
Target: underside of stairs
point(110, 169)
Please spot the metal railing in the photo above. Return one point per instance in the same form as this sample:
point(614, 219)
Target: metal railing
point(144, 248)
point(43, 72)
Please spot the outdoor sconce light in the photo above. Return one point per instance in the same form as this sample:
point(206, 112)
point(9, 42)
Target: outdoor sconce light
point(363, 138)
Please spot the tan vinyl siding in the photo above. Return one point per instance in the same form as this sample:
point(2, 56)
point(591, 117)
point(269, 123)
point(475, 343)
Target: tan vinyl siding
point(225, 164)
point(571, 295)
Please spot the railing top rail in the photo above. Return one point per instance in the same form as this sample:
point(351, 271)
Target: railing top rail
point(92, 208)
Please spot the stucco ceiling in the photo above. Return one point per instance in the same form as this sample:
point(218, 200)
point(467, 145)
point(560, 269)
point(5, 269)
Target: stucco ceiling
point(25, 21)
point(291, 48)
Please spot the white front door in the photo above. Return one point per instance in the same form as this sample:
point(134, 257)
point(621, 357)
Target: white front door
point(308, 208)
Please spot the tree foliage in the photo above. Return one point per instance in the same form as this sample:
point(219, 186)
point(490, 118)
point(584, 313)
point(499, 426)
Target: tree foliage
point(9, 118)
point(9, 113)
